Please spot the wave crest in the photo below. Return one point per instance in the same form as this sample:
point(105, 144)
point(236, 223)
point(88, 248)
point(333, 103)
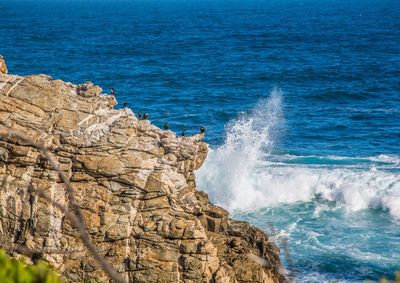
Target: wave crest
point(238, 175)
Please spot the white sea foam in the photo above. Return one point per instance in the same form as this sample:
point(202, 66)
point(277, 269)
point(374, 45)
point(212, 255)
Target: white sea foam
point(315, 277)
point(390, 159)
point(236, 175)
point(394, 159)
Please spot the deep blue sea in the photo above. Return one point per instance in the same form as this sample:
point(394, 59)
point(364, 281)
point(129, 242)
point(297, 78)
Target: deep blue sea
point(300, 100)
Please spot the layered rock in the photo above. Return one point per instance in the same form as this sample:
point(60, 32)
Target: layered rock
point(134, 183)
point(3, 66)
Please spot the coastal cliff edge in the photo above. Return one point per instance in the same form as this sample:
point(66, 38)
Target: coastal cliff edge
point(134, 183)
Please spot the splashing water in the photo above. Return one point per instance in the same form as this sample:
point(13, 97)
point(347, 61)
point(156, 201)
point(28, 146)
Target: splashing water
point(244, 174)
point(228, 169)
point(334, 210)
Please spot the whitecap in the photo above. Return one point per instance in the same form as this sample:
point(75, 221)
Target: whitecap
point(237, 176)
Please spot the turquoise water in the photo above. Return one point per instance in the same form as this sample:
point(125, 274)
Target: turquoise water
point(300, 99)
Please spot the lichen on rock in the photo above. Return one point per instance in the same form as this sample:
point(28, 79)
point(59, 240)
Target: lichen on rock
point(134, 183)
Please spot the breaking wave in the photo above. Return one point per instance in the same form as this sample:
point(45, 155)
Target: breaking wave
point(245, 174)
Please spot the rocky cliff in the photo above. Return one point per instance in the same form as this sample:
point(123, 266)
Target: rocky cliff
point(134, 183)
point(3, 66)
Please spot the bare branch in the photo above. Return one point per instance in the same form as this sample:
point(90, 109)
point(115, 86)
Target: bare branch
point(75, 215)
point(85, 237)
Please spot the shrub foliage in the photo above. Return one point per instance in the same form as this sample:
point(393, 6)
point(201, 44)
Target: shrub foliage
point(15, 271)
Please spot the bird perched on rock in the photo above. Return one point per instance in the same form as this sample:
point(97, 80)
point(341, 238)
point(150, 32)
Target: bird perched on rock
point(112, 92)
point(166, 127)
point(139, 115)
point(145, 116)
point(183, 132)
point(125, 104)
point(202, 130)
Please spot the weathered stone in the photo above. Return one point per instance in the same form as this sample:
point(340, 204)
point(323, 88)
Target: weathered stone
point(135, 185)
point(3, 66)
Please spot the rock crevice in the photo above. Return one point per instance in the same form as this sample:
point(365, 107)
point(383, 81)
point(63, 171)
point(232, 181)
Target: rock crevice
point(134, 183)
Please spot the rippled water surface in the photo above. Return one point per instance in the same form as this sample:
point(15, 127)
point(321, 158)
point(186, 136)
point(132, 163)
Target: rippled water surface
point(300, 99)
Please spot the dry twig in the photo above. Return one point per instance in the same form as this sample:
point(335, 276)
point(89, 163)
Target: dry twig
point(75, 215)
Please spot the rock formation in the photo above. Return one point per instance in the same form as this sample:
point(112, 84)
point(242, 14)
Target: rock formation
point(134, 183)
point(3, 66)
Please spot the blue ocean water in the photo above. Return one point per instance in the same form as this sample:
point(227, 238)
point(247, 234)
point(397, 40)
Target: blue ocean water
point(300, 99)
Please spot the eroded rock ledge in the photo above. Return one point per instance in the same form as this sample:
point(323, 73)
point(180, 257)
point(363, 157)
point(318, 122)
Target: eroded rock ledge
point(134, 183)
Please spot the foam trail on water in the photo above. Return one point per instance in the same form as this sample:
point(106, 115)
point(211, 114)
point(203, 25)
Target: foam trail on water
point(236, 175)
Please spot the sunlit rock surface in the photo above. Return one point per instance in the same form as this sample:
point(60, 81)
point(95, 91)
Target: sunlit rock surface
point(3, 66)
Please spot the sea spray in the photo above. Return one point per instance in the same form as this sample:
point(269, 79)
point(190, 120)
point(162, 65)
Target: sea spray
point(229, 168)
point(245, 174)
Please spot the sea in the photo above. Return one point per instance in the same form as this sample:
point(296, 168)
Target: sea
point(300, 100)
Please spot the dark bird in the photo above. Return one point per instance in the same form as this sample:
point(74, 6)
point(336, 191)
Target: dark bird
point(112, 91)
point(125, 104)
point(202, 130)
point(183, 132)
point(166, 127)
point(139, 115)
point(145, 116)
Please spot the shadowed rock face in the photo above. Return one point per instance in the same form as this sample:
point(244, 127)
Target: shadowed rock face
point(134, 183)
